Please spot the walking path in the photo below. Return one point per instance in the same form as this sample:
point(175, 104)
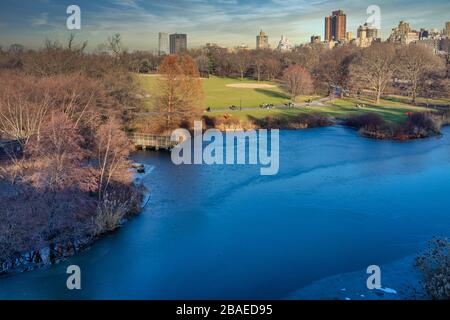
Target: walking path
point(314, 103)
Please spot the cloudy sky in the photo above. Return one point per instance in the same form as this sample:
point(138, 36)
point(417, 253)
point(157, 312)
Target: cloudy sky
point(226, 22)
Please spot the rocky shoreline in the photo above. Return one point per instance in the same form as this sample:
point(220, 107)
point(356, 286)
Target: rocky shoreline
point(44, 257)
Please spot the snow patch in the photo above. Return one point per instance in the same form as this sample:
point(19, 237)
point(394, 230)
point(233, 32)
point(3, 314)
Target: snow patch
point(388, 290)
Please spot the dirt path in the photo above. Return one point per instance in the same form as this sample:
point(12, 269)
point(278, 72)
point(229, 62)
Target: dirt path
point(251, 86)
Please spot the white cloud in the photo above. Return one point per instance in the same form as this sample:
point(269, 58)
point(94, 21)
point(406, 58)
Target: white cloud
point(41, 20)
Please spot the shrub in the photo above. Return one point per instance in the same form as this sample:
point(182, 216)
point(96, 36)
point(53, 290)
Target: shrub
point(31, 219)
point(302, 121)
point(227, 122)
point(115, 207)
point(110, 214)
point(367, 121)
point(422, 122)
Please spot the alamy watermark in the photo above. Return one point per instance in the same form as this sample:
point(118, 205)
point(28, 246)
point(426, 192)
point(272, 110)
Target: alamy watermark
point(229, 147)
point(74, 280)
point(374, 280)
point(73, 22)
point(374, 19)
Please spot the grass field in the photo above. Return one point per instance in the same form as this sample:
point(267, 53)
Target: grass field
point(338, 108)
point(433, 101)
point(219, 97)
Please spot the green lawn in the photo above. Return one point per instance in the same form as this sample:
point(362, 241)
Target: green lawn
point(218, 96)
point(338, 108)
point(434, 101)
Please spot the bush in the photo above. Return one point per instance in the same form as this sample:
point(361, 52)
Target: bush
point(115, 207)
point(419, 125)
point(227, 122)
point(435, 267)
point(423, 122)
point(31, 219)
point(302, 121)
point(367, 121)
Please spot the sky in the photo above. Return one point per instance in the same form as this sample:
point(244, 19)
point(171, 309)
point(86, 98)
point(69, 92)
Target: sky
point(225, 22)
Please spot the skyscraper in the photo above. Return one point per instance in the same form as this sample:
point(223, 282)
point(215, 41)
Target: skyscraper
point(178, 43)
point(262, 41)
point(403, 34)
point(336, 26)
point(163, 44)
point(447, 29)
point(367, 31)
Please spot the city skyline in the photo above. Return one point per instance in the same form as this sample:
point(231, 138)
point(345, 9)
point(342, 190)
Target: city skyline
point(225, 22)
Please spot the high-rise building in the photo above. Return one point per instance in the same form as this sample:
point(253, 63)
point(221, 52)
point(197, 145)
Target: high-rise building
point(336, 26)
point(367, 31)
point(403, 34)
point(447, 29)
point(178, 43)
point(163, 43)
point(262, 41)
point(349, 36)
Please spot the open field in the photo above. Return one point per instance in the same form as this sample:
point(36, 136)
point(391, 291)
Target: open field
point(220, 93)
point(338, 108)
point(433, 101)
point(219, 96)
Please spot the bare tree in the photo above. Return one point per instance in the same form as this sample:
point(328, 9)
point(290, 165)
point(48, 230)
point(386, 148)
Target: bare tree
point(112, 151)
point(374, 68)
point(241, 61)
point(75, 47)
point(297, 81)
point(57, 156)
point(334, 68)
point(23, 109)
point(258, 63)
point(416, 65)
point(114, 43)
point(272, 65)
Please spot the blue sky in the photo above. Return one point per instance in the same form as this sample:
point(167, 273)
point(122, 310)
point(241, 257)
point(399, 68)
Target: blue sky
point(226, 22)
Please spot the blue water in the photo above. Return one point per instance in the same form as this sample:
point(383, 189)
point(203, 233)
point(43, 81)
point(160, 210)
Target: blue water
point(339, 203)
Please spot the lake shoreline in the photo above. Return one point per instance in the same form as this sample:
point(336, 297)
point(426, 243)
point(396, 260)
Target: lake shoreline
point(56, 253)
point(373, 135)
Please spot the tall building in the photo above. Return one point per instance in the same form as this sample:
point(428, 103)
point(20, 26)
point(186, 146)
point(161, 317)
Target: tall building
point(336, 26)
point(446, 32)
point(163, 43)
point(403, 34)
point(284, 44)
point(178, 43)
point(367, 31)
point(349, 36)
point(262, 41)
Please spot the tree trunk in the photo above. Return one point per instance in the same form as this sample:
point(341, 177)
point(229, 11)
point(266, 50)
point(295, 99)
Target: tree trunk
point(377, 101)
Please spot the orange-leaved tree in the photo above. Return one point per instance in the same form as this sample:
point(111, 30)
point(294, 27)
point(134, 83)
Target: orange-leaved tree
point(179, 96)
